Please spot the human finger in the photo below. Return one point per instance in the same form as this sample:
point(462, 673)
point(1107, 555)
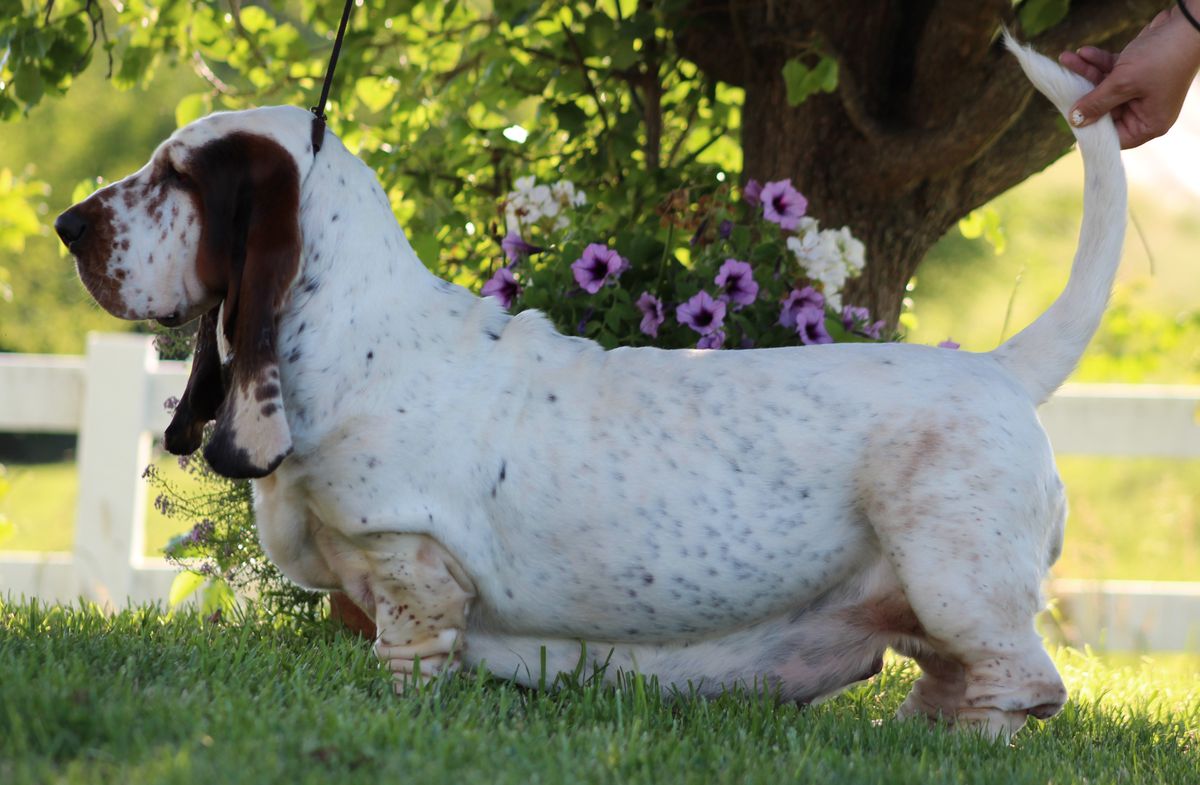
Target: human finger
point(1108, 94)
point(1097, 57)
point(1075, 63)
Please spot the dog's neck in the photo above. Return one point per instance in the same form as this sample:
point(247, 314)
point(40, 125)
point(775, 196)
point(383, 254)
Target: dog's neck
point(354, 248)
point(347, 221)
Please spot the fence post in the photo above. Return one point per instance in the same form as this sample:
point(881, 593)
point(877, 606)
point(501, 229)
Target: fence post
point(113, 449)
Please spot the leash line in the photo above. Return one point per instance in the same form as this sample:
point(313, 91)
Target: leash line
point(1188, 14)
point(318, 126)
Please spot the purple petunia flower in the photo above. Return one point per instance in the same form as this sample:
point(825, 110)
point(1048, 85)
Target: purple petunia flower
point(752, 192)
point(737, 278)
point(783, 204)
point(581, 328)
point(652, 314)
point(702, 313)
point(948, 344)
point(798, 300)
point(714, 340)
point(725, 229)
point(503, 286)
point(854, 314)
point(855, 318)
point(810, 326)
point(597, 266)
point(515, 247)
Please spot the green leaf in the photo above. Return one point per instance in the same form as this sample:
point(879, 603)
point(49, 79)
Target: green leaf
point(985, 223)
point(184, 585)
point(1037, 16)
point(427, 247)
point(218, 596)
point(570, 118)
point(27, 82)
point(802, 81)
point(192, 107)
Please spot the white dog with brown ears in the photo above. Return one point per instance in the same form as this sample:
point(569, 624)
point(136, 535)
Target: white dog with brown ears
point(484, 486)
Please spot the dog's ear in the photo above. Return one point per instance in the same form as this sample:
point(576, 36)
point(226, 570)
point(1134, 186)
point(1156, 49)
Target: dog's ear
point(250, 243)
point(204, 392)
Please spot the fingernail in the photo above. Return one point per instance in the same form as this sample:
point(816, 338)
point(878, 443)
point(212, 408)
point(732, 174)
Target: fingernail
point(1077, 118)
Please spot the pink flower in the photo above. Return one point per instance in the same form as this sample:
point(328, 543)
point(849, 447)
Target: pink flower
point(783, 204)
point(752, 192)
point(652, 314)
point(948, 344)
point(702, 313)
point(598, 265)
point(503, 286)
point(737, 279)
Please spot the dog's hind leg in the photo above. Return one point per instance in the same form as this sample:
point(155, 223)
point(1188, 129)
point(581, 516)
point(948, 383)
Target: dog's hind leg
point(967, 531)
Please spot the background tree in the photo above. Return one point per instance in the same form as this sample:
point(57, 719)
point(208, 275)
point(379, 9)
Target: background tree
point(896, 118)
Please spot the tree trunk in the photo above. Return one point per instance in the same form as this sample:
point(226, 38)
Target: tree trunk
point(930, 120)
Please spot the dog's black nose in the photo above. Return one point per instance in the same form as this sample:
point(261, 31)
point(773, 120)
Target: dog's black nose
point(70, 226)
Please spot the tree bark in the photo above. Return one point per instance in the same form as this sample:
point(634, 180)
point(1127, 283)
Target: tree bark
point(930, 120)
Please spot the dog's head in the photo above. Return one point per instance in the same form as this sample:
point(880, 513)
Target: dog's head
point(209, 227)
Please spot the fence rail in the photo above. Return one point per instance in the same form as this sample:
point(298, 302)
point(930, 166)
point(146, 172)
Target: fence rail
point(113, 398)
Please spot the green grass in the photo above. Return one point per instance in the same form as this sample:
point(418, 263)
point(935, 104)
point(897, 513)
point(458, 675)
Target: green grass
point(40, 507)
point(1131, 519)
point(136, 698)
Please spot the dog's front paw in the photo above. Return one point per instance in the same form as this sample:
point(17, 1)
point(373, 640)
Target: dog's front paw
point(412, 663)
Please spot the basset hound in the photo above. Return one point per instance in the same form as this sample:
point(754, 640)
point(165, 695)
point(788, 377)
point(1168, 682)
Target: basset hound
point(493, 492)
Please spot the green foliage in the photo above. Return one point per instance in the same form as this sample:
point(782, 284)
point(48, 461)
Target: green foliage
point(984, 222)
point(221, 553)
point(1037, 16)
point(425, 90)
point(21, 201)
point(41, 52)
point(802, 81)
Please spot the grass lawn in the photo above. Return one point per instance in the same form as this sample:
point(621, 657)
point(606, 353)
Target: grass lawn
point(139, 699)
point(1135, 519)
point(41, 503)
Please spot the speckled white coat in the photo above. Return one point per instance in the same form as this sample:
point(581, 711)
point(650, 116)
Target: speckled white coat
point(713, 518)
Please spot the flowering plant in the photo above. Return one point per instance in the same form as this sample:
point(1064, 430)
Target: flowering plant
point(220, 553)
point(711, 273)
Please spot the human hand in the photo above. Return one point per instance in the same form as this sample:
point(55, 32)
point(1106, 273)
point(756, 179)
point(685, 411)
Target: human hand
point(1145, 85)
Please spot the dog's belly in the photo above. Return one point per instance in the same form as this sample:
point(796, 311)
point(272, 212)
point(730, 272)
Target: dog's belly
point(803, 655)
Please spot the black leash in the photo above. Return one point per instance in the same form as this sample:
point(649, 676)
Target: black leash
point(318, 126)
point(1188, 14)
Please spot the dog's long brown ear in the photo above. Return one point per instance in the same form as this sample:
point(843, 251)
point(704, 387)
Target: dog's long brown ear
point(250, 239)
point(203, 394)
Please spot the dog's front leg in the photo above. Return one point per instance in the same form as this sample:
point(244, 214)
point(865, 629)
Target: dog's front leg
point(421, 597)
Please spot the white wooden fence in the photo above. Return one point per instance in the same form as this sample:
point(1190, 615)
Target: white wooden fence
point(113, 398)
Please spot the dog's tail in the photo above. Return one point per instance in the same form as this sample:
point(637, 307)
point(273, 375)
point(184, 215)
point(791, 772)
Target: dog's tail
point(1043, 354)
